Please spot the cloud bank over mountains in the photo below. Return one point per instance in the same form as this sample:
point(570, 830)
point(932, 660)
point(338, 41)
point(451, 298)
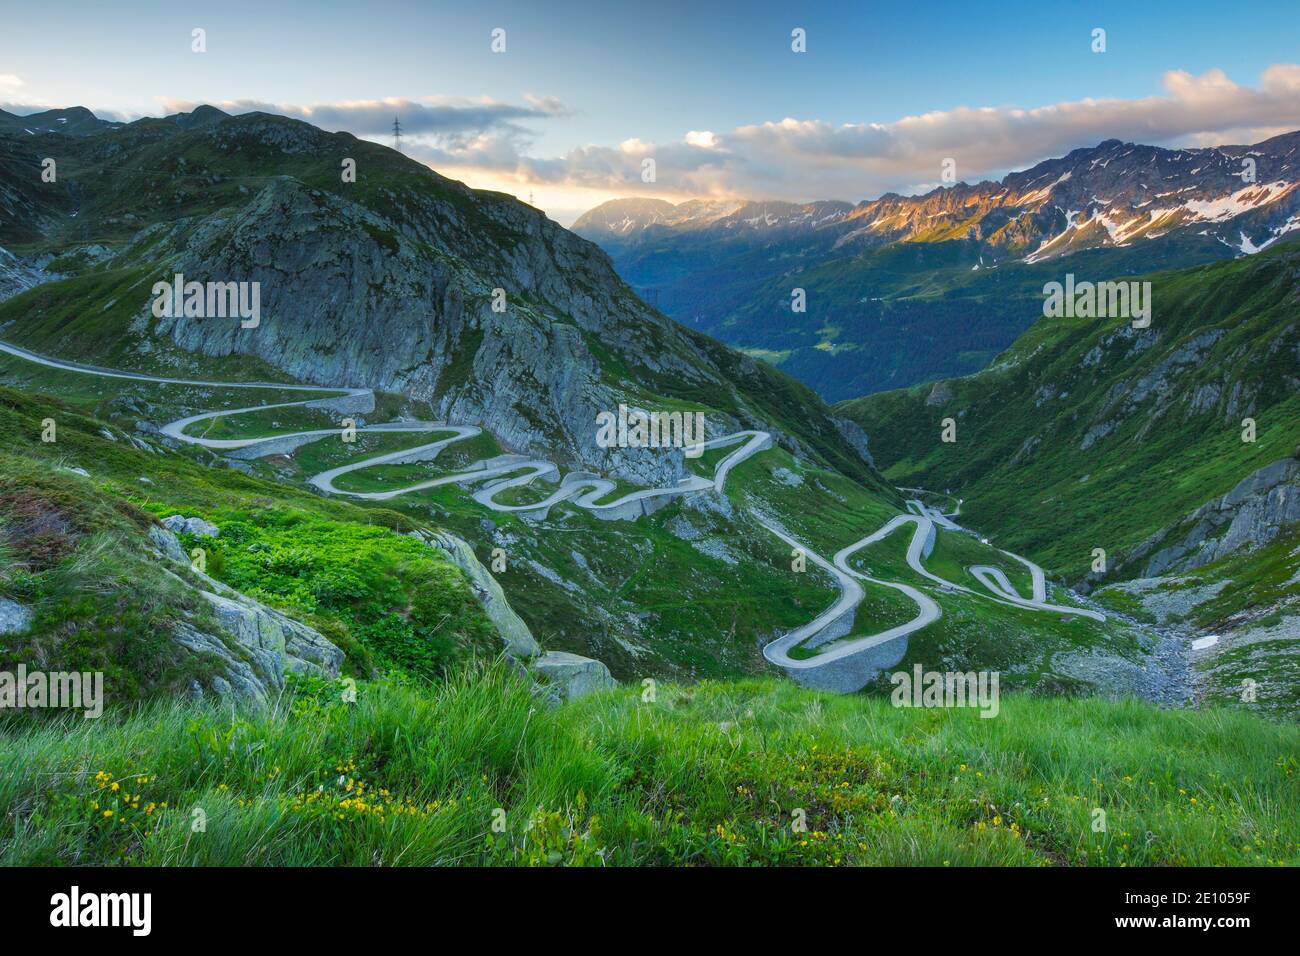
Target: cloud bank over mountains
point(489, 143)
point(801, 159)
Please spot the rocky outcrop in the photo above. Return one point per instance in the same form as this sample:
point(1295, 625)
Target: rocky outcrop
point(558, 676)
point(566, 677)
point(1167, 599)
point(941, 394)
point(194, 526)
point(1249, 516)
point(249, 646)
point(1164, 383)
point(280, 642)
point(18, 276)
point(518, 639)
point(857, 439)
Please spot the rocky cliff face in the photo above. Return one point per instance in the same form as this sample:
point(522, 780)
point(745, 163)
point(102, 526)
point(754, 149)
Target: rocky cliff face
point(347, 299)
point(16, 275)
point(405, 282)
point(1251, 515)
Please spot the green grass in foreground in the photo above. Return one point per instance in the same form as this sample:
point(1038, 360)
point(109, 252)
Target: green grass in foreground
point(713, 774)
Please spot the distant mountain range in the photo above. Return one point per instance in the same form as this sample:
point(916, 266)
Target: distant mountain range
point(903, 289)
point(632, 219)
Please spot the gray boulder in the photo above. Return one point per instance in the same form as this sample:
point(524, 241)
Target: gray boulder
point(167, 546)
point(237, 677)
point(14, 618)
point(566, 676)
point(279, 642)
point(255, 646)
point(195, 526)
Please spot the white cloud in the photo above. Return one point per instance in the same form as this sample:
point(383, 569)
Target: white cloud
point(547, 104)
point(704, 139)
point(431, 115)
point(802, 159)
point(489, 143)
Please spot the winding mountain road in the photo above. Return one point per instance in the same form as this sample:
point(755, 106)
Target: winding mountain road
point(849, 662)
point(846, 664)
point(830, 659)
point(582, 489)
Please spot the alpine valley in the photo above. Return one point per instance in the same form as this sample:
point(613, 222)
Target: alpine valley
point(362, 576)
point(904, 289)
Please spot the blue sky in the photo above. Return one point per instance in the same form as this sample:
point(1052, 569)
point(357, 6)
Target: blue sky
point(585, 91)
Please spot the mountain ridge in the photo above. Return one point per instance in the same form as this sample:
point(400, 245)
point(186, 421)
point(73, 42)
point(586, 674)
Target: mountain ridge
point(979, 210)
point(188, 193)
point(904, 289)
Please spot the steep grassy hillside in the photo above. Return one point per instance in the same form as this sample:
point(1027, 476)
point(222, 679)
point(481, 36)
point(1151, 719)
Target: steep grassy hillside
point(417, 769)
point(75, 550)
point(651, 597)
point(751, 772)
point(694, 590)
point(1088, 434)
point(876, 318)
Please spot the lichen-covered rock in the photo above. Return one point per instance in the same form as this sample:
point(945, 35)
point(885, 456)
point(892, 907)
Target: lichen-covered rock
point(856, 438)
point(167, 545)
point(237, 677)
point(559, 676)
point(280, 642)
point(256, 646)
point(249, 646)
point(18, 276)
